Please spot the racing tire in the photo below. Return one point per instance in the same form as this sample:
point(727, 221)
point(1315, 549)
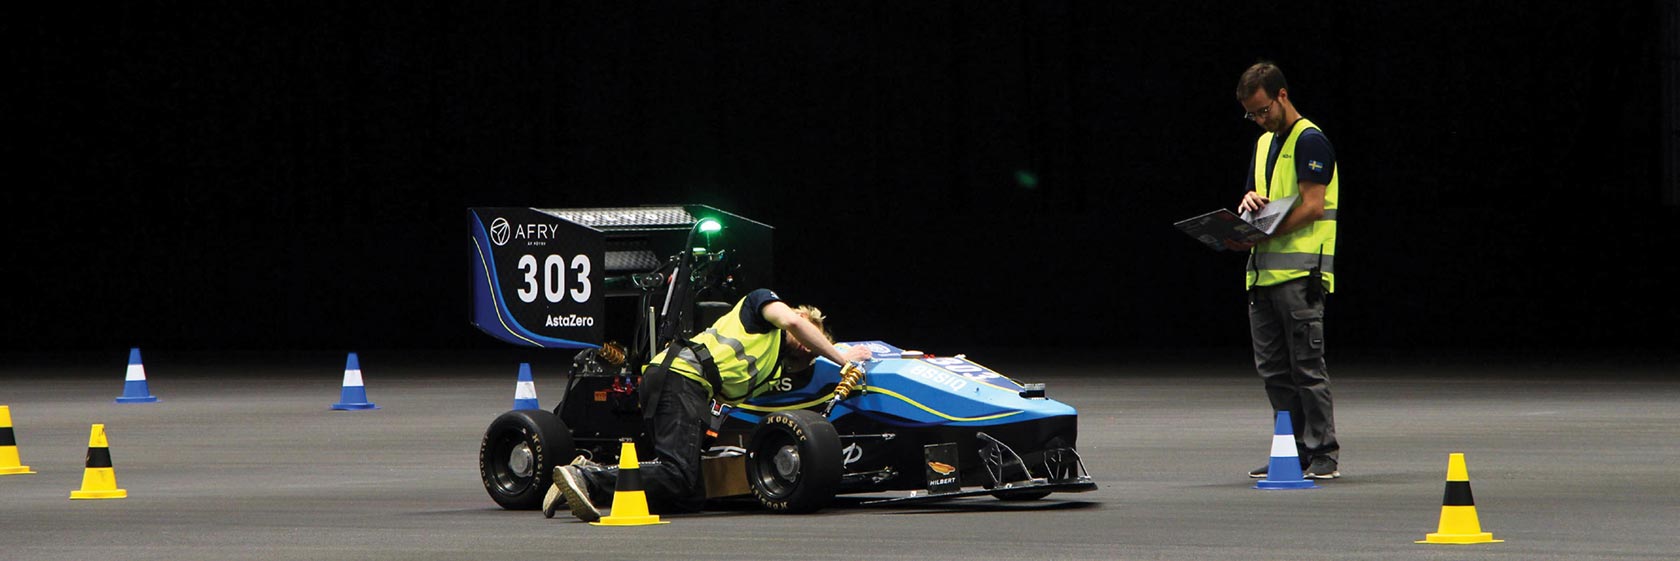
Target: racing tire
point(517, 457)
point(794, 462)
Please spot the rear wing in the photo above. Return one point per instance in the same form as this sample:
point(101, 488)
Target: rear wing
point(545, 277)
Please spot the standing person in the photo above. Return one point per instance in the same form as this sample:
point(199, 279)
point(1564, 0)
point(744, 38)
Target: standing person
point(747, 349)
point(1291, 272)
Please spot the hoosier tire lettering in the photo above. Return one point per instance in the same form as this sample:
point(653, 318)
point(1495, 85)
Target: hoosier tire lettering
point(798, 431)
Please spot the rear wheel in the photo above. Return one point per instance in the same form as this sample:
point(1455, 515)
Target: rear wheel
point(794, 461)
point(516, 459)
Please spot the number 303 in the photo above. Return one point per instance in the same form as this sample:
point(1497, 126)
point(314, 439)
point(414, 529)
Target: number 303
point(553, 282)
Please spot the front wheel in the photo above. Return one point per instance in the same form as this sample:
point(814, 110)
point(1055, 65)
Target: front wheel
point(794, 461)
point(516, 459)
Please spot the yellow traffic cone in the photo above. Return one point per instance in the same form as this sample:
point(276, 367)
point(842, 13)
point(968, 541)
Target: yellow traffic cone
point(9, 464)
point(629, 507)
point(99, 481)
point(1459, 524)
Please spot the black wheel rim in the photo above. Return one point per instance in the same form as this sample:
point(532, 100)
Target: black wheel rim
point(779, 465)
point(505, 453)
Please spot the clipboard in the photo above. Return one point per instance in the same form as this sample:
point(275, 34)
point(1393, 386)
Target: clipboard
point(1213, 228)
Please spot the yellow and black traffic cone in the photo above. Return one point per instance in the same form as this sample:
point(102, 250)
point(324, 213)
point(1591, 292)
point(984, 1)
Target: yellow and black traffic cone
point(629, 507)
point(1459, 524)
point(99, 481)
point(9, 463)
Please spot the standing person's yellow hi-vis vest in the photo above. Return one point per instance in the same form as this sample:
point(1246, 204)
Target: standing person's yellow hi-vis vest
point(1294, 255)
point(747, 363)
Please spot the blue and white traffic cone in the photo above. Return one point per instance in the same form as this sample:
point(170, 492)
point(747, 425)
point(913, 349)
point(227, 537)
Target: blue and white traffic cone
point(134, 384)
point(525, 391)
point(354, 395)
point(1284, 471)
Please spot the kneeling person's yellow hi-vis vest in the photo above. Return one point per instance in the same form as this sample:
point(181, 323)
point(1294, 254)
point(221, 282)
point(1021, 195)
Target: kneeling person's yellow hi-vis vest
point(747, 363)
point(1293, 255)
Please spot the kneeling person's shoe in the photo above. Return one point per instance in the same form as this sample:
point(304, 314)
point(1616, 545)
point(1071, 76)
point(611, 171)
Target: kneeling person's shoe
point(552, 500)
point(570, 482)
point(1260, 472)
point(1322, 468)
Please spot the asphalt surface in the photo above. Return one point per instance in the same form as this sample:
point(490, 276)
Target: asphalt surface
point(1568, 459)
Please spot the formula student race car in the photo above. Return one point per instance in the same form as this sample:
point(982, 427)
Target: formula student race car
point(940, 427)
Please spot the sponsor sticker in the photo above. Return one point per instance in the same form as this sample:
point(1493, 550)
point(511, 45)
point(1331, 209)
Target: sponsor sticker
point(942, 475)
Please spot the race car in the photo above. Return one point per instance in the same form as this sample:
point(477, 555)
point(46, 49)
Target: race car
point(939, 427)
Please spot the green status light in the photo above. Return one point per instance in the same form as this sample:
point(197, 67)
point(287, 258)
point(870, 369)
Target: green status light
point(1026, 178)
point(710, 226)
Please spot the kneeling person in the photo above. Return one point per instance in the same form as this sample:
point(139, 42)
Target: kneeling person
point(748, 347)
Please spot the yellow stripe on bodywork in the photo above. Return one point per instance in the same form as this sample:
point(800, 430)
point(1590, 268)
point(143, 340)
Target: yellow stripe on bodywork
point(492, 281)
point(885, 392)
point(773, 409)
point(896, 395)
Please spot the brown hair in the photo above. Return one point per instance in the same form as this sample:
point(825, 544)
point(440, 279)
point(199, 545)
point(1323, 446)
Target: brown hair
point(1263, 75)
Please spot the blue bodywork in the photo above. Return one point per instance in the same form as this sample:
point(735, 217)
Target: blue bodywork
point(905, 404)
point(918, 392)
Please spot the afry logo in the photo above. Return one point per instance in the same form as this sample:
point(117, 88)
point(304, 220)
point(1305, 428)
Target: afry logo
point(500, 231)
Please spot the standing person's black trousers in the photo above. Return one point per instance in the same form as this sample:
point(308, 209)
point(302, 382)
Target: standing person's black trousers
point(677, 423)
point(1286, 322)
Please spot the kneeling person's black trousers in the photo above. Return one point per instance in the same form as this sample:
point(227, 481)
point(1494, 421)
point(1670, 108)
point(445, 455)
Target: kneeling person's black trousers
point(672, 479)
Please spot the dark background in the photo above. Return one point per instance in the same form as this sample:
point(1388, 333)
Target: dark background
point(941, 174)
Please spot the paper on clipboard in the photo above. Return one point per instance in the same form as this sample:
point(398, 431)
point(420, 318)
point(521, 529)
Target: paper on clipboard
point(1213, 228)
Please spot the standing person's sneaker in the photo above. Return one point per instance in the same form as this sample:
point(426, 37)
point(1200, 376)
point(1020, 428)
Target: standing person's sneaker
point(570, 481)
point(1265, 468)
point(1322, 468)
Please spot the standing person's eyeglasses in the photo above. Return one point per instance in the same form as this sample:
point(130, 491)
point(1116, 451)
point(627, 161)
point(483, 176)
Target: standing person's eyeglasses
point(1252, 115)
